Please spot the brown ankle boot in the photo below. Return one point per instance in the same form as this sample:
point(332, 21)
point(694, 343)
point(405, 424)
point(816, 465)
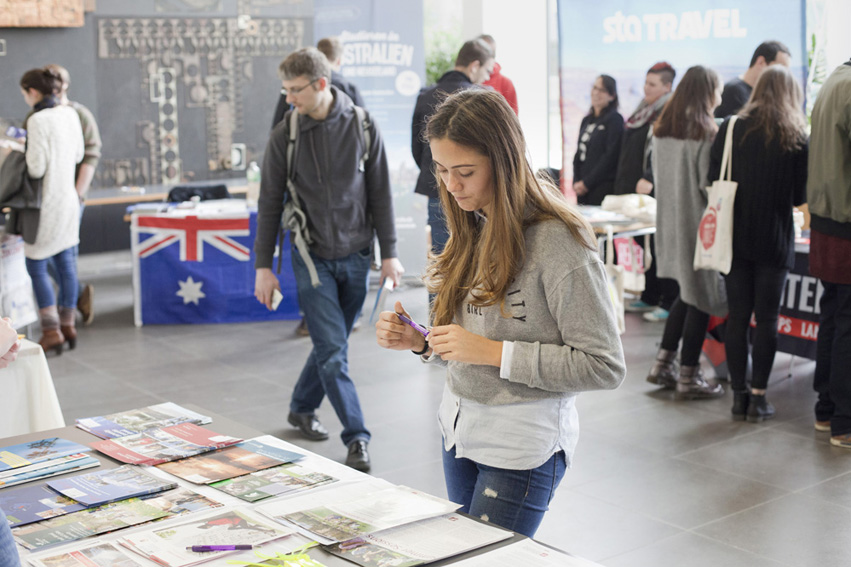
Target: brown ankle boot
point(66, 325)
point(665, 369)
point(70, 334)
point(691, 385)
point(52, 339)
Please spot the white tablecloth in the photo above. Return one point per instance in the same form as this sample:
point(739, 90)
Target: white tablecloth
point(29, 401)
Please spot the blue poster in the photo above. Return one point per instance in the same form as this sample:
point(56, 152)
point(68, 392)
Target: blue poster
point(385, 58)
point(624, 38)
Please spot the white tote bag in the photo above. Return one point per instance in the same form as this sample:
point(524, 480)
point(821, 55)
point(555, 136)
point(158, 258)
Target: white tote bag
point(614, 274)
point(714, 248)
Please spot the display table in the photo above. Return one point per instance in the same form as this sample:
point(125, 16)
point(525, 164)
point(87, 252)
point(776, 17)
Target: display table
point(228, 427)
point(194, 263)
point(29, 398)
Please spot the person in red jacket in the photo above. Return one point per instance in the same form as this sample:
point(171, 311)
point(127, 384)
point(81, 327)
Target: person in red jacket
point(498, 81)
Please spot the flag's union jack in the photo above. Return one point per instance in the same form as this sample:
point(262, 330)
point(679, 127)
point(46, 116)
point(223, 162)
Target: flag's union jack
point(192, 232)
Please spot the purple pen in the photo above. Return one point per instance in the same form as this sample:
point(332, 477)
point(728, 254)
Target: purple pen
point(200, 548)
point(417, 327)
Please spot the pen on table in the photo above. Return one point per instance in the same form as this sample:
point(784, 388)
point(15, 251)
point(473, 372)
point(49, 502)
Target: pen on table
point(219, 547)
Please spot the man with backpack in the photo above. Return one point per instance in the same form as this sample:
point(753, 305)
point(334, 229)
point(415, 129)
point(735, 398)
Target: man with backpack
point(325, 177)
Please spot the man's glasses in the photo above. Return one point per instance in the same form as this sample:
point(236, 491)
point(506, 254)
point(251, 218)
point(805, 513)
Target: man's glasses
point(297, 90)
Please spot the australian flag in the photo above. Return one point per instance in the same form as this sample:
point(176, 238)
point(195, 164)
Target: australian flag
point(196, 267)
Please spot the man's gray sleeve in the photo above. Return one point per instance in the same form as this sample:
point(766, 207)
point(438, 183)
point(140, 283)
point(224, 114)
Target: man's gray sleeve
point(379, 195)
point(270, 204)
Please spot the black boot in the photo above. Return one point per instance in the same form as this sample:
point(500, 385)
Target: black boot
point(665, 370)
point(740, 404)
point(759, 409)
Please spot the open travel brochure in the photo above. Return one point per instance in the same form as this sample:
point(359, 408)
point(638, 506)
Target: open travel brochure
point(47, 469)
point(236, 460)
point(528, 553)
point(39, 451)
point(111, 517)
point(167, 545)
point(102, 487)
point(348, 511)
point(135, 421)
point(34, 503)
point(276, 481)
point(98, 555)
point(420, 542)
point(156, 446)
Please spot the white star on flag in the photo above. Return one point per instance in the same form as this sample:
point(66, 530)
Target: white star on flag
point(190, 291)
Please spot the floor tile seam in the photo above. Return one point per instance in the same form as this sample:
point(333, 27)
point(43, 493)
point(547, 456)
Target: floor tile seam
point(735, 474)
point(742, 549)
point(642, 514)
point(800, 492)
point(719, 442)
point(743, 510)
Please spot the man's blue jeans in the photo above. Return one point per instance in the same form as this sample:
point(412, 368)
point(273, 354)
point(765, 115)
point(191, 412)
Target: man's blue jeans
point(437, 222)
point(66, 267)
point(833, 359)
point(512, 499)
point(331, 310)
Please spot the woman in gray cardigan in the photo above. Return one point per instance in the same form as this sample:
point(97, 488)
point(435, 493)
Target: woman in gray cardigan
point(682, 140)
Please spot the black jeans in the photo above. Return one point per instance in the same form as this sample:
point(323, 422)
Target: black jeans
point(658, 291)
point(688, 323)
point(758, 289)
point(833, 359)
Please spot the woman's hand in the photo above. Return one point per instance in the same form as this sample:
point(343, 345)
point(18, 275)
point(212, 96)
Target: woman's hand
point(392, 333)
point(453, 342)
point(9, 342)
point(579, 188)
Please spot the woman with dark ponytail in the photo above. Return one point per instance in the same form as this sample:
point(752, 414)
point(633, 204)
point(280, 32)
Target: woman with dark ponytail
point(54, 147)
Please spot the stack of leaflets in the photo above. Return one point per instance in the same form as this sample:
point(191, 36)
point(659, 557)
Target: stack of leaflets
point(157, 446)
point(421, 542)
point(236, 460)
point(111, 485)
point(526, 552)
point(98, 555)
point(355, 509)
point(167, 546)
point(273, 482)
point(28, 504)
point(110, 517)
point(136, 421)
point(41, 459)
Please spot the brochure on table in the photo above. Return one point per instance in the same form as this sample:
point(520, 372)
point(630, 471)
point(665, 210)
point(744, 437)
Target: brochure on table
point(528, 553)
point(110, 485)
point(421, 542)
point(24, 454)
point(161, 445)
point(135, 421)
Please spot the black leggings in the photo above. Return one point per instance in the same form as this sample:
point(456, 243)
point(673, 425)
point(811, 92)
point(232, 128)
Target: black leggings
point(758, 289)
point(689, 323)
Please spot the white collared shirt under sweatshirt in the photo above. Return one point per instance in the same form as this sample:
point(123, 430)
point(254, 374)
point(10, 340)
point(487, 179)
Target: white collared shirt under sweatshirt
point(563, 337)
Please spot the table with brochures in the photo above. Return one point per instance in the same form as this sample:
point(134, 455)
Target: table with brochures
point(29, 397)
point(323, 504)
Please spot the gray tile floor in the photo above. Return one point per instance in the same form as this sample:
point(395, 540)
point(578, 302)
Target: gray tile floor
point(655, 482)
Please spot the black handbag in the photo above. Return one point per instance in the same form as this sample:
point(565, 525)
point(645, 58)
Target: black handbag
point(22, 194)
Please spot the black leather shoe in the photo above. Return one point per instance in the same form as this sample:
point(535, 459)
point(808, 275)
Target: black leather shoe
point(309, 426)
point(358, 457)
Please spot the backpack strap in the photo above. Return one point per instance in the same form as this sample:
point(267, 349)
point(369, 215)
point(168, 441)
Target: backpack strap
point(365, 135)
point(294, 218)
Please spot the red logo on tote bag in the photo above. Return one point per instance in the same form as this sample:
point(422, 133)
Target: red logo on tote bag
point(708, 226)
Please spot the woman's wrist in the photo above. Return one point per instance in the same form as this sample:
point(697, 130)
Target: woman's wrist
point(422, 350)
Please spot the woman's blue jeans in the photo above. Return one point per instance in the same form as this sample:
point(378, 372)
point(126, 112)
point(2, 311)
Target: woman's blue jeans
point(513, 499)
point(8, 550)
point(66, 267)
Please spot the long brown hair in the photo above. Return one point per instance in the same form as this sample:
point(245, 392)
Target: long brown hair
point(484, 258)
point(688, 113)
point(774, 110)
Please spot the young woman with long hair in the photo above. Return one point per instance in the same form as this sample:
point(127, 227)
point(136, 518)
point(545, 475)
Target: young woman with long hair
point(599, 145)
point(770, 166)
point(683, 136)
point(522, 316)
point(54, 147)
